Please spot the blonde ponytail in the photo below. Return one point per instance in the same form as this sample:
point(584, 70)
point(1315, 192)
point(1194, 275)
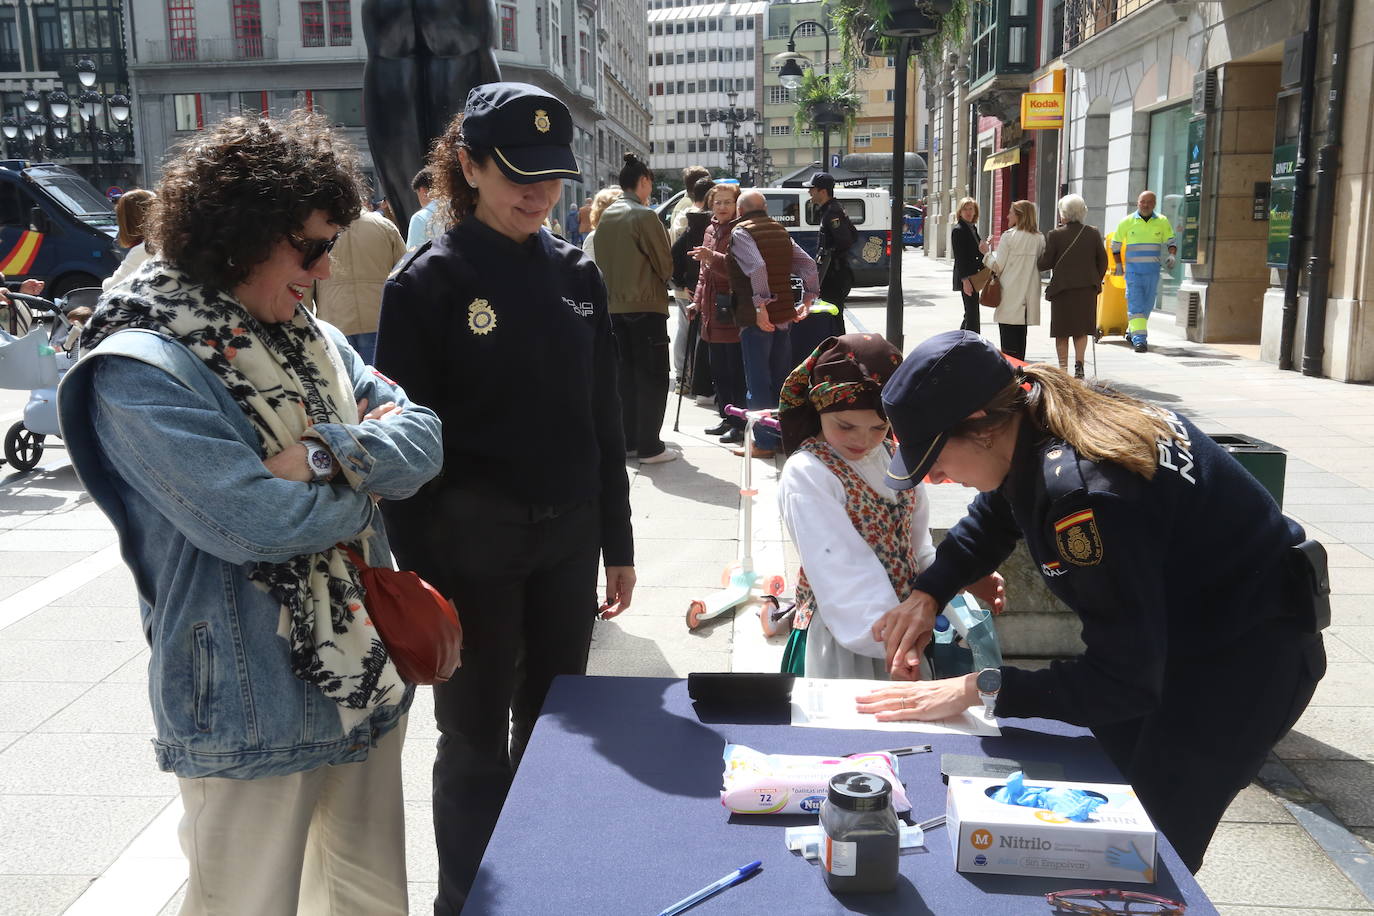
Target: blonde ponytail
point(1098, 423)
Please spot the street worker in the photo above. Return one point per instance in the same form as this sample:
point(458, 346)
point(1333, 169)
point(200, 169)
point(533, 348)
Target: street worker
point(861, 543)
point(235, 443)
point(1201, 604)
point(505, 331)
point(1145, 236)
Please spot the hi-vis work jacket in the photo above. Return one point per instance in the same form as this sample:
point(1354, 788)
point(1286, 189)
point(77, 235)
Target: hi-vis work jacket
point(1146, 241)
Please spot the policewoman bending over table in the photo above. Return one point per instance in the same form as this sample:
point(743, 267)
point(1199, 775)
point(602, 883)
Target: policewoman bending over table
point(504, 330)
point(1199, 610)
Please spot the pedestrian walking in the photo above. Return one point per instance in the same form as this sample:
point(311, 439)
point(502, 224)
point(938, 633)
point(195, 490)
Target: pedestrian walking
point(632, 252)
point(573, 224)
point(237, 444)
point(505, 331)
point(965, 245)
point(762, 258)
point(1077, 259)
point(714, 307)
point(1195, 592)
point(1016, 262)
point(351, 299)
point(1146, 240)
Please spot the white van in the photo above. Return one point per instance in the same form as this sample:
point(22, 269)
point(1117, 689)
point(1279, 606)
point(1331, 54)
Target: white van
point(868, 208)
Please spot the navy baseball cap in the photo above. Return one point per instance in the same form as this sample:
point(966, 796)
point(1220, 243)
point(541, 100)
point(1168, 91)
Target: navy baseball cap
point(941, 382)
point(529, 132)
point(823, 180)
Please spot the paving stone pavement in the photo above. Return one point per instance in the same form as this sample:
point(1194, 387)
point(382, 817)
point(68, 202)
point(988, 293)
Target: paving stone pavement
point(87, 824)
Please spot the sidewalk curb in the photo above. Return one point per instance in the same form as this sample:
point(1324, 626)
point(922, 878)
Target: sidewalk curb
point(1342, 847)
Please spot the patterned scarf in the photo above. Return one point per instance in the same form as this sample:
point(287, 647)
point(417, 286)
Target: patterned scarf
point(842, 373)
point(285, 377)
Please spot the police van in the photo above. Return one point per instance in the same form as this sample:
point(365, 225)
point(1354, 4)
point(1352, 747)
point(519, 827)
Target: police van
point(54, 227)
point(869, 209)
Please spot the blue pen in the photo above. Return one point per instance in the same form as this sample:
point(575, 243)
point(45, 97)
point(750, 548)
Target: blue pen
point(735, 877)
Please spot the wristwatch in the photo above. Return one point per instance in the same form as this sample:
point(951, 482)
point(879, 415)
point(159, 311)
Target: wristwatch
point(989, 681)
point(321, 461)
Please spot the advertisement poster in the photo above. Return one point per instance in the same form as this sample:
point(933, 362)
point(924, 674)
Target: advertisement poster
point(1281, 186)
point(1192, 192)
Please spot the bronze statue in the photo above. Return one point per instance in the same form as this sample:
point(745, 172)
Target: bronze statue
point(422, 58)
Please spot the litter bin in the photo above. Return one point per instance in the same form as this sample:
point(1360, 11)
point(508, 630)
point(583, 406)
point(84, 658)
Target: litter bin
point(1265, 462)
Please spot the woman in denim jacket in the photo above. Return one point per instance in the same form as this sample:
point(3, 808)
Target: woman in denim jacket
point(234, 441)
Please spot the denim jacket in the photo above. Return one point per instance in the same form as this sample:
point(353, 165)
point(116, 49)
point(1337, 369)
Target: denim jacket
point(172, 460)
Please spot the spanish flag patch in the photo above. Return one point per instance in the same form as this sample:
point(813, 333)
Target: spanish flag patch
point(1078, 540)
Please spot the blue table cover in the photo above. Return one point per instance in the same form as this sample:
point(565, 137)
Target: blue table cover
point(616, 810)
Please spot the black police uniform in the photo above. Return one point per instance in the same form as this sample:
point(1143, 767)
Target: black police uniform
point(837, 236)
point(509, 342)
point(1201, 648)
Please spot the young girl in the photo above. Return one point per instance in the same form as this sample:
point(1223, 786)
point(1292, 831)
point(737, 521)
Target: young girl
point(861, 544)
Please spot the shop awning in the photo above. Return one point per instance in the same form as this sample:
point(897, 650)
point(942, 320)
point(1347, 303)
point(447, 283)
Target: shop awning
point(1002, 160)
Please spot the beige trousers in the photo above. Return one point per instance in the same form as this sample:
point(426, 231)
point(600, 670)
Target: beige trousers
point(327, 842)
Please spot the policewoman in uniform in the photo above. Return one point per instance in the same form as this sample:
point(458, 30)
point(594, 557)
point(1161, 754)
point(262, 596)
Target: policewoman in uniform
point(1201, 604)
point(503, 330)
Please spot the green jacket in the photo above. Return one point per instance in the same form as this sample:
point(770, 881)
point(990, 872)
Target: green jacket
point(632, 252)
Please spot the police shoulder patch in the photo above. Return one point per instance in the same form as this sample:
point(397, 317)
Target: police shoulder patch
point(409, 258)
point(1078, 540)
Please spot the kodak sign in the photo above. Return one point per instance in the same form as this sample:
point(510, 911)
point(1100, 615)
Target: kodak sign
point(1042, 111)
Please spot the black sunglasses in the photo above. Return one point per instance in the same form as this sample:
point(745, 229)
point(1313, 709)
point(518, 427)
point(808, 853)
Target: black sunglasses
point(312, 249)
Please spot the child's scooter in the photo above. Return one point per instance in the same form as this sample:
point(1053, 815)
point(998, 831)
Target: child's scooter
point(740, 578)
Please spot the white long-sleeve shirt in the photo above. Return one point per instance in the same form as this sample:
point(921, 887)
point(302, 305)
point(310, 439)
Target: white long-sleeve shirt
point(851, 586)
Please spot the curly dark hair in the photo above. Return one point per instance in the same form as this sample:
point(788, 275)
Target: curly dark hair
point(230, 193)
point(456, 197)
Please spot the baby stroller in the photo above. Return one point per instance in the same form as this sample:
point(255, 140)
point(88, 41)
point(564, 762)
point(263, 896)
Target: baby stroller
point(33, 358)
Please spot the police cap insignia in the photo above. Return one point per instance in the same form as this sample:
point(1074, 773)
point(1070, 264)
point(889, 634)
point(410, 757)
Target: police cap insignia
point(1078, 540)
point(541, 121)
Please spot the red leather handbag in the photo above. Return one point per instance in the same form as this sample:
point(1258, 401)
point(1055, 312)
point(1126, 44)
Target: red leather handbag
point(418, 626)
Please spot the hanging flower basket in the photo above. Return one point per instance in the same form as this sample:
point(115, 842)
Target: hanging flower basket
point(827, 115)
point(914, 18)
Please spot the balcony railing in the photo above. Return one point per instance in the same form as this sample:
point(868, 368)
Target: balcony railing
point(178, 50)
point(1085, 18)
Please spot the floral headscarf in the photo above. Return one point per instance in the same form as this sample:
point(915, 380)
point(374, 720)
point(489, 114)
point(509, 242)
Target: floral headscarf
point(843, 373)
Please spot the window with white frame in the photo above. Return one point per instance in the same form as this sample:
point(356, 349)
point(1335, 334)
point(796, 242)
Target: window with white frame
point(779, 130)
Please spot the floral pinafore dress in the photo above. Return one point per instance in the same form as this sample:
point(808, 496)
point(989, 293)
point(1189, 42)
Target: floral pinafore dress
point(884, 525)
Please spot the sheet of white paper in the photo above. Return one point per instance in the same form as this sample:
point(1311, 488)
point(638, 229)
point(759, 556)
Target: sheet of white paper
point(829, 703)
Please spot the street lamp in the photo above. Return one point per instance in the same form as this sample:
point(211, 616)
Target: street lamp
point(732, 118)
point(90, 101)
point(791, 76)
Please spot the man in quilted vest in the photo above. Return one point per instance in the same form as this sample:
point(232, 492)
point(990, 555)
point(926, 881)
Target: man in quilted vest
point(762, 260)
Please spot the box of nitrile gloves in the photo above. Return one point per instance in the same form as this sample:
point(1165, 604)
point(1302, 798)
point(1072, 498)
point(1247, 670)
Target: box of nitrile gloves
point(1115, 843)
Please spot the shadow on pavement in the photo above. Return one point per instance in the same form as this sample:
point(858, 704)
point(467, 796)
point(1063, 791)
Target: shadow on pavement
point(685, 480)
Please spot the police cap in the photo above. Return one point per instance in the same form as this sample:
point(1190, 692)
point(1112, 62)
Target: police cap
point(823, 180)
point(940, 383)
point(529, 132)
